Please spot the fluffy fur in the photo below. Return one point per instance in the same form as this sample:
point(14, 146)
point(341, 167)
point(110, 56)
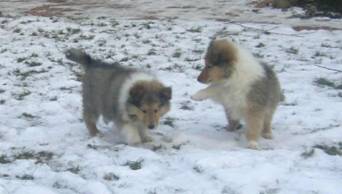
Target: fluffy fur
point(247, 89)
point(134, 100)
point(126, 87)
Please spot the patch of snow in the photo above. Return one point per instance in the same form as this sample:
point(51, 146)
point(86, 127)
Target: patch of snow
point(45, 147)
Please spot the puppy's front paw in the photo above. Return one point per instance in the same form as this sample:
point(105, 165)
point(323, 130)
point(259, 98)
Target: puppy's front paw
point(253, 145)
point(267, 135)
point(133, 139)
point(146, 139)
point(198, 97)
point(131, 135)
point(234, 127)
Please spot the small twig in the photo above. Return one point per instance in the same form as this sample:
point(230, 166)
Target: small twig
point(331, 69)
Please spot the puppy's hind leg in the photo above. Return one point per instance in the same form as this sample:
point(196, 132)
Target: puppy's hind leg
point(90, 121)
point(267, 130)
point(255, 123)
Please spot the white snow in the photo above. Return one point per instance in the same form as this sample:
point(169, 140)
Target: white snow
point(45, 147)
point(34, 190)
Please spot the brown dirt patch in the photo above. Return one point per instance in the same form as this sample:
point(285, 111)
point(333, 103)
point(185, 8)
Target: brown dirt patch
point(48, 10)
point(263, 3)
point(300, 28)
point(56, 1)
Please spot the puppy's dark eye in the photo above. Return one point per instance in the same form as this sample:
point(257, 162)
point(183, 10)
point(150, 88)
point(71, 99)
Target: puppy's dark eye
point(144, 111)
point(155, 111)
point(209, 66)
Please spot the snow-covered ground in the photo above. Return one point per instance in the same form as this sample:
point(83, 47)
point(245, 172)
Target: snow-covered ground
point(45, 147)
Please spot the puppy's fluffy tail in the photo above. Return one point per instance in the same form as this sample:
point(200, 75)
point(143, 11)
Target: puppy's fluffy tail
point(79, 56)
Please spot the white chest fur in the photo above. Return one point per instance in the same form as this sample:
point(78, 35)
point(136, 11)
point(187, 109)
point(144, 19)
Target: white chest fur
point(232, 93)
point(233, 99)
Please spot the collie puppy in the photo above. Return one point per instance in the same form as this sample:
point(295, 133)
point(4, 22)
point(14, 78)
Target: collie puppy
point(134, 100)
point(247, 89)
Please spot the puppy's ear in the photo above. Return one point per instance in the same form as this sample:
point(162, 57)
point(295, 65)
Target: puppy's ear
point(165, 93)
point(136, 94)
point(132, 111)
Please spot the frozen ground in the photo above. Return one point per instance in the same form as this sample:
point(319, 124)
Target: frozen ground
point(45, 147)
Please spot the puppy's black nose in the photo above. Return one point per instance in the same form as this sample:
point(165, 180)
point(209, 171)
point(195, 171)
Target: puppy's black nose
point(151, 126)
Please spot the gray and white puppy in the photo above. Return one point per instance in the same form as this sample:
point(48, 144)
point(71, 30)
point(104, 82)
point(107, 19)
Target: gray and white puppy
point(134, 100)
point(247, 89)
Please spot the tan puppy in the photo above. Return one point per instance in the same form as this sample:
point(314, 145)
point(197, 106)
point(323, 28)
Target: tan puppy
point(247, 89)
